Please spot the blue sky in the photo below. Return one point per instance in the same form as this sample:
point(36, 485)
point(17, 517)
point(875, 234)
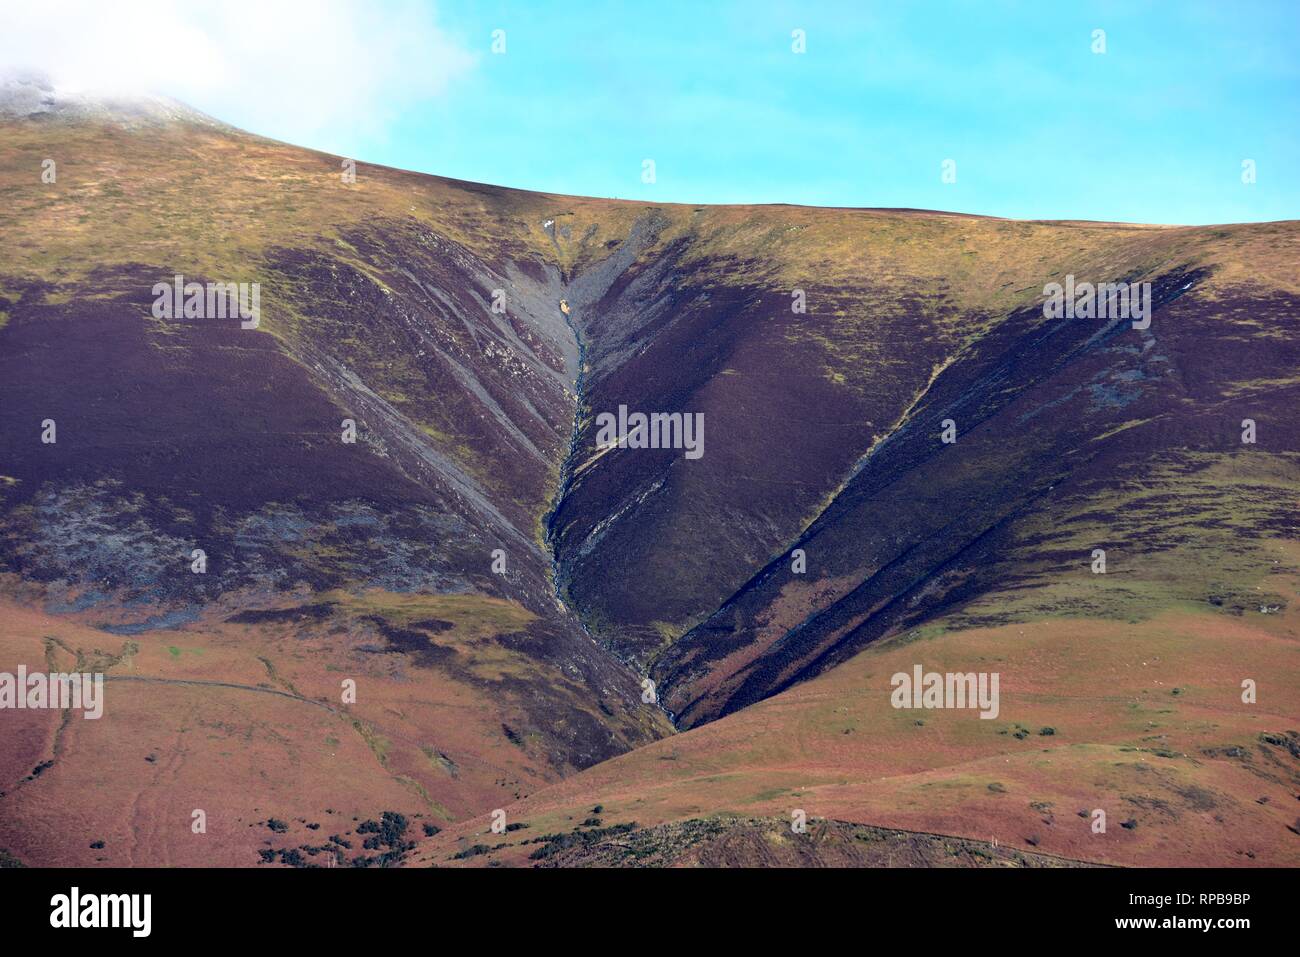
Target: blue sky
point(1153, 130)
point(1039, 126)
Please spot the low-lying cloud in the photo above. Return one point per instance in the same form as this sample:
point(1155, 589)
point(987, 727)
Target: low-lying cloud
point(290, 69)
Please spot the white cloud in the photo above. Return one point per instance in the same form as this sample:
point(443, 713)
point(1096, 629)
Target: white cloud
point(297, 70)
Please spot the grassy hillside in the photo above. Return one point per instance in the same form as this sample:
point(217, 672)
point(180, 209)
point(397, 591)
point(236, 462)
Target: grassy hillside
point(1142, 721)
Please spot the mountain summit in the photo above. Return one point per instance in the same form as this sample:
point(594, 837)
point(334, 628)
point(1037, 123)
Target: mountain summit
point(34, 96)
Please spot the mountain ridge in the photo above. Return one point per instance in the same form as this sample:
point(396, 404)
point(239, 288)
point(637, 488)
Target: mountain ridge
point(376, 560)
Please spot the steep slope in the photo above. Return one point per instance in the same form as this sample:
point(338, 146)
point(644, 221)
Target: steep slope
point(649, 541)
point(1070, 436)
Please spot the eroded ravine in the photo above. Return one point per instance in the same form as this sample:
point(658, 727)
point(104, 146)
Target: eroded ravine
point(581, 293)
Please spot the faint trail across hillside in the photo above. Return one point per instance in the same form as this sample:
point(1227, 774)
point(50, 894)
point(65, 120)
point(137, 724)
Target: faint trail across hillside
point(223, 684)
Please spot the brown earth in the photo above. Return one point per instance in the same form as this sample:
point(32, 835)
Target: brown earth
point(1145, 722)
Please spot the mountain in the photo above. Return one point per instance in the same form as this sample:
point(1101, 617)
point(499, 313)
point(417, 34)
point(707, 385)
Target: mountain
point(458, 611)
